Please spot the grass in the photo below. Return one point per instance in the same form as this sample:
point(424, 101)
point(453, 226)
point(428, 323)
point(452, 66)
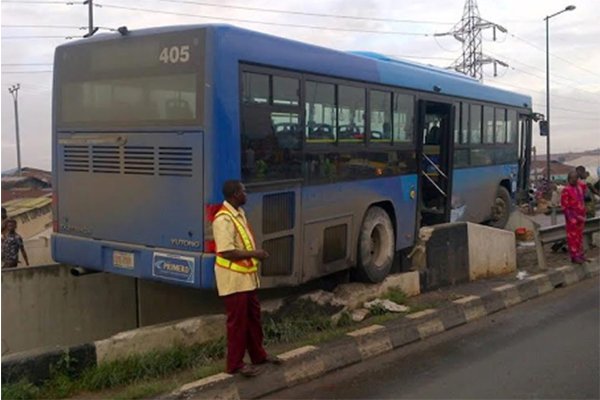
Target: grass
point(149, 375)
point(63, 382)
point(396, 295)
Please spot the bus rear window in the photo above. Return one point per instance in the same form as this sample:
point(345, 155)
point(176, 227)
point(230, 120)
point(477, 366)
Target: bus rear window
point(139, 100)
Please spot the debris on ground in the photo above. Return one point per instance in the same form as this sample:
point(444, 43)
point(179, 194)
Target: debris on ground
point(387, 305)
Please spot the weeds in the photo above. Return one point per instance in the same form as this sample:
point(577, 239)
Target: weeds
point(396, 295)
point(295, 322)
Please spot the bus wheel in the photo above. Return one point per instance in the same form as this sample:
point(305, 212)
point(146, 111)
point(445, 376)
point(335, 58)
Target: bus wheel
point(376, 245)
point(501, 208)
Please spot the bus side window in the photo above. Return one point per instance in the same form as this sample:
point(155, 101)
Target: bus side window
point(320, 112)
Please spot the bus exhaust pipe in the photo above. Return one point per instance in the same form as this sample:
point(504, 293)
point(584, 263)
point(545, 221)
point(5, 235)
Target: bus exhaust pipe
point(80, 271)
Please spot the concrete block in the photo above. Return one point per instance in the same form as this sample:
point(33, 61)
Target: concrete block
point(472, 306)
point(425, 314)
point(340, 353)
point(372, 340)
point(527, 289)
point(557, 278)
point(492, 252)
point(402, 332)
point(592, 268)
point(493, 302)
point(47, 306)
point(570, 276)
point(580, 271)
point(543, 283)
point(302, 364)
point(430, 328)
point(452, 316)
point(221, 386)
point(188, 332)
point(510, 294)
point(271, 380)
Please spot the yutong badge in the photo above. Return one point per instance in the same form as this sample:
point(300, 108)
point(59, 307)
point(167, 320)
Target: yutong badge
point(173, 267)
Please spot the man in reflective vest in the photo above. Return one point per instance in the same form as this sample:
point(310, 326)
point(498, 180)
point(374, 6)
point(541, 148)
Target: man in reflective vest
point(236, 271)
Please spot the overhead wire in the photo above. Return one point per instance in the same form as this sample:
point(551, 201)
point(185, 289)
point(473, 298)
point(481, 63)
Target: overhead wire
point(553, 55)
point(309, 14)
point(220, 18)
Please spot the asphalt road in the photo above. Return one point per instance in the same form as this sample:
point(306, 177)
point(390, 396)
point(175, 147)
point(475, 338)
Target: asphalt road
point(545, 348)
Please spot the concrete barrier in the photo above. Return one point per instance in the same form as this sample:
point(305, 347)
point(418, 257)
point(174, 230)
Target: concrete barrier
point(46, 306)
point(492, 252)
point(462, 251)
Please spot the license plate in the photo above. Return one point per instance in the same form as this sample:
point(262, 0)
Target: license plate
point(123, 259)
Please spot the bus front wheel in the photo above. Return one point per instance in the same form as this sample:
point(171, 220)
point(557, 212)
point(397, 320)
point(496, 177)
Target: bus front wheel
point(376, 245)
point(501, 208)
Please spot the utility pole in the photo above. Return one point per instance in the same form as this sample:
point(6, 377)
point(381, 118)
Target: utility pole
point(14, 91)
point(91, 28)
point(468, 32)
point(547, 19)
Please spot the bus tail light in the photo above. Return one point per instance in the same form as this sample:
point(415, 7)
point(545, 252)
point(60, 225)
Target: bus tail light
point(210, 210)
point(210, 246)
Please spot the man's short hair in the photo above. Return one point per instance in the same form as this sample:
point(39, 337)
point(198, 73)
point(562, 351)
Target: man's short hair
point(580, 168)
point(230, 187)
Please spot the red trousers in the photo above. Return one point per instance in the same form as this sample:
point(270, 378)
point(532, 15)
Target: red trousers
point(244, 330)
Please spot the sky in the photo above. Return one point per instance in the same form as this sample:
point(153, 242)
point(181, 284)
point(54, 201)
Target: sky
point(31, 29)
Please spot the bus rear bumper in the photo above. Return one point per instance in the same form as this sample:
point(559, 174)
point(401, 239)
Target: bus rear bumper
point(190, 269)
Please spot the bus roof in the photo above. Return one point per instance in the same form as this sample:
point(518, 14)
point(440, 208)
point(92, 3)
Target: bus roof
point(260, 48)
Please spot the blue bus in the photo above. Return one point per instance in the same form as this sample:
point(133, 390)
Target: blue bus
point(345, 155)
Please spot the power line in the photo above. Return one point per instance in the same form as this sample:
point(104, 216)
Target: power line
point(539, 91)
point(309, 14)
point(263, 22)
point(554, 75)
point(553, 55)
point(69, 3)
point(27, 72)
point(543, 105)
point(22, 64)
point(43, 26)
point(422, 57)
point(37, 37)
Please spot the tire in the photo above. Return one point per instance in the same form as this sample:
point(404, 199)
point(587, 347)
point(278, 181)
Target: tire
point(501, 208)
point(376, 246)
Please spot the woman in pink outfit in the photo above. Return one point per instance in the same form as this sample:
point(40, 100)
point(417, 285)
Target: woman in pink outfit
point(572, 202)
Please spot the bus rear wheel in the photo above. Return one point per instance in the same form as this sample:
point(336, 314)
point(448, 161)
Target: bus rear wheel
point(376, 244)
point(501, 208)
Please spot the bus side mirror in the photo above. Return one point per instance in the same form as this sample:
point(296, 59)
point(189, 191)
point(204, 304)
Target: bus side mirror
point(544, 128)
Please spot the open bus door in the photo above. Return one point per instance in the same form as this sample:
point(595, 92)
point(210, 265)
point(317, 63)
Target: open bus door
point(525, 143)
point(435, 162)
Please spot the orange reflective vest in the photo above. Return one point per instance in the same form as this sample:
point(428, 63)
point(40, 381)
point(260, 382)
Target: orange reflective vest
point(245, 265)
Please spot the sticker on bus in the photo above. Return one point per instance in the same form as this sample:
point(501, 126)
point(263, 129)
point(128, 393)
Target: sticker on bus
point(173, 267)
point(123, 259)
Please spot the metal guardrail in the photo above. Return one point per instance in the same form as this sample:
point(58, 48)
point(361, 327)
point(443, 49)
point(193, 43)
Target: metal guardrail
point(554, 233)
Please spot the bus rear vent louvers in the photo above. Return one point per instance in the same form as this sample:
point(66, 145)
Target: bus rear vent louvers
point(175, 161)
point(138, 160)
point(129, 160)
point(106, 159)
point(76, 159)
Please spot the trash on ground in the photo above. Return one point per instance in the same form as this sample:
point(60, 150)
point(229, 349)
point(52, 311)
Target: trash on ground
point(387, 305)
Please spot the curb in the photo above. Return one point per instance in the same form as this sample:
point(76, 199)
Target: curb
point(310, 362)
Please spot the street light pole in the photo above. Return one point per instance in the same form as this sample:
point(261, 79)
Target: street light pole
point(547, 19)
point(14, 91)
